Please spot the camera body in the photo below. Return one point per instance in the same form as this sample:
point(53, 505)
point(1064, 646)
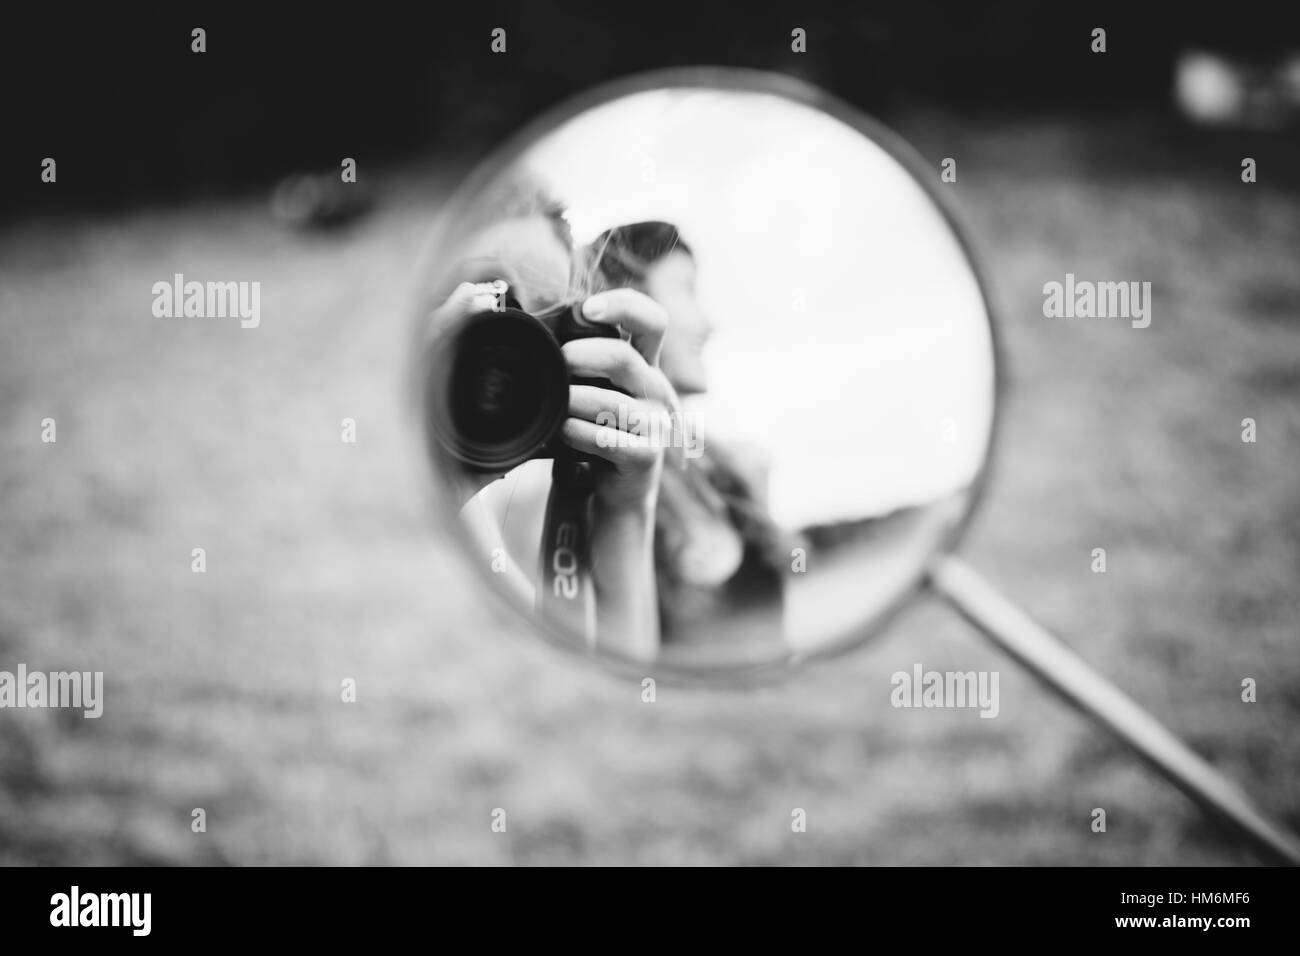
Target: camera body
point(497, 390)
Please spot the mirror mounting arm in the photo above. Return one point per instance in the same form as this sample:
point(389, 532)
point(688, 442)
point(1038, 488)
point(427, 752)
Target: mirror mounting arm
point(1048, 659)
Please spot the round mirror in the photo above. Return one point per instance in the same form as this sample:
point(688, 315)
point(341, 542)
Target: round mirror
point(706, 374)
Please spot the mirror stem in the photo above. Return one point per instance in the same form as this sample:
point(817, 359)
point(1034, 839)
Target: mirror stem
point(1070, 676)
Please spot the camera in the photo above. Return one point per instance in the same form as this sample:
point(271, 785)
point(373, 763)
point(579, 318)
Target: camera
point(497, 390)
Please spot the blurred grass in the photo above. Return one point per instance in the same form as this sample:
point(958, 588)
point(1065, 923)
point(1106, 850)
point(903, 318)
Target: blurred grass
point(223, 688)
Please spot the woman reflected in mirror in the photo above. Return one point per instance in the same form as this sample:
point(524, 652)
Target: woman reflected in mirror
point(719, 558)
point(681, 552)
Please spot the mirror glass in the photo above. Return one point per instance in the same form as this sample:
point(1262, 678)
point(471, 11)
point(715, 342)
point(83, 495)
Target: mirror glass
point(707, 376)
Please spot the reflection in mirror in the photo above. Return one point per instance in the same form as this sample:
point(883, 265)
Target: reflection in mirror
point(711, 377)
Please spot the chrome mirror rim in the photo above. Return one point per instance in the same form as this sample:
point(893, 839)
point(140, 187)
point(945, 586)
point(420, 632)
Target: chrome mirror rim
point(802, 93)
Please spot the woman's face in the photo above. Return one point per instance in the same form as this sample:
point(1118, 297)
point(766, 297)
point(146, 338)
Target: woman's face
point(670, 281)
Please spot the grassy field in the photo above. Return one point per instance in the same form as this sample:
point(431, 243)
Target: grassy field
point(223, 688)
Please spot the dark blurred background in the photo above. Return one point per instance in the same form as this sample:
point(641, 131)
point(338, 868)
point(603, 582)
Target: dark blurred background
point(222, 689)
point(133, 114)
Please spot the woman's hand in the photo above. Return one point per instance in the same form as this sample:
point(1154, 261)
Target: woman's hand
point(628, 433)
point(465, 300)
point(625, 435)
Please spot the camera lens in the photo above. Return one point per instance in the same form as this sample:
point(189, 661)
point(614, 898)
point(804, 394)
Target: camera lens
point(494, 393)
point(498, 390)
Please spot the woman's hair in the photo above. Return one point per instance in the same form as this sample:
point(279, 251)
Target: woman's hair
point(623, 255)
point(523, 197)
point(519, 197)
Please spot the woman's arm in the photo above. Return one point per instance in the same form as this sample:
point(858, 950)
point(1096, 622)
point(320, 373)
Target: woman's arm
point(623, 574)
point(624, 430)
point(505, 522)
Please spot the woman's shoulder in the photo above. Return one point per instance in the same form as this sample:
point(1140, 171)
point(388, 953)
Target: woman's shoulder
point(514, 508)
point(745, 460)
point(519, 493)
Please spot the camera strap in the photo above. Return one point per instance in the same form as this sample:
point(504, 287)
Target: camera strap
point(566, 597)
